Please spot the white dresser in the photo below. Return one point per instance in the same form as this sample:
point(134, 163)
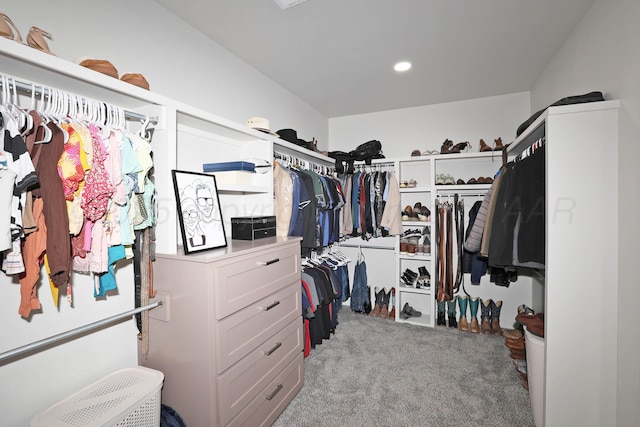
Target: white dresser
point(230, 342)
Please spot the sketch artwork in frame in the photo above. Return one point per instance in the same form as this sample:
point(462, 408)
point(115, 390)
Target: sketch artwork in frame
point(198, 211)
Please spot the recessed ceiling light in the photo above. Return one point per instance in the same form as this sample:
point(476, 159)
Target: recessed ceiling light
point(285, 4)
point(402, 66)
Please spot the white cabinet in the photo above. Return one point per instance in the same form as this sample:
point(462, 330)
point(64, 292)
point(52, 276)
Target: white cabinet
point(585, 229)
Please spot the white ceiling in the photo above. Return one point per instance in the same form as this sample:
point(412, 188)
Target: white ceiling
point(338, 55)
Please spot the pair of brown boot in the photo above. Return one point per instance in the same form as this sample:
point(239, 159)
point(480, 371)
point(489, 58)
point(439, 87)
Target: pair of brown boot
point(490, 316)
point(381, 308)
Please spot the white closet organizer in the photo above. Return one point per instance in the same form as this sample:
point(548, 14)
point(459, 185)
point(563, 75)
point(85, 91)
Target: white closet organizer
point(425, 171)
point(582, 267)
point(188, 137)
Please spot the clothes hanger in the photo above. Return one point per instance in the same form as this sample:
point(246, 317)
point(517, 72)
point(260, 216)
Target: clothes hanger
point(47, 134)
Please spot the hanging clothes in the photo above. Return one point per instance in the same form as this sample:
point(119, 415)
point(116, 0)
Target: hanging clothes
point(373, 208)
point(360, 293)
point(70, 181)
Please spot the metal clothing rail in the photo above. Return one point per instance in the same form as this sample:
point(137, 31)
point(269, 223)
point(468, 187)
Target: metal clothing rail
point(38, 89)
point(303, 163)
point(461, 193)
point(73, 333)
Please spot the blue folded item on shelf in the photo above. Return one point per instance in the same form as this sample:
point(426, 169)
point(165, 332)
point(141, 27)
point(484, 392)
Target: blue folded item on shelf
point(229, 166)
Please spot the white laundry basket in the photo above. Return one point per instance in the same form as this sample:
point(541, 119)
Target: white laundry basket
point(128, 397)
point(535, 375)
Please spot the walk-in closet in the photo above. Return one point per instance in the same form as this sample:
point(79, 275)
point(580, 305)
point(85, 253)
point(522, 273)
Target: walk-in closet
point(242, 214)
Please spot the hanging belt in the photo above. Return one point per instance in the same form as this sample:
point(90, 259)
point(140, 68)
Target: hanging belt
point(448, 288)
point(440, 248)
point(459, 207)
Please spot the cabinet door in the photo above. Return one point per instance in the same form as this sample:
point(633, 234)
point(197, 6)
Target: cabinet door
point(242, 281)
point(243, 331)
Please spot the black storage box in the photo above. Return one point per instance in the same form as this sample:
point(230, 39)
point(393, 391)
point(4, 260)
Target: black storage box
point(253, 227)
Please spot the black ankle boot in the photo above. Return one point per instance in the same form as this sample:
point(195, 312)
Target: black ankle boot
point(452, 321)
point(440, 320)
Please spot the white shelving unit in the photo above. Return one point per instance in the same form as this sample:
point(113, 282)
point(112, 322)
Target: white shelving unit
point(419, 169)
point(424, 170)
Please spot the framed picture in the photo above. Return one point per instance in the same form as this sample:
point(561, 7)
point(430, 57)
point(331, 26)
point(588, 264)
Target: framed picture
point(199, 211)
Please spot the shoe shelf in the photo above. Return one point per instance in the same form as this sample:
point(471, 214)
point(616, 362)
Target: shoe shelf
point(418, 170)
point(415, 257)
point(416, 224)
point(423, 172)
point(415, 190)
point(409, 289)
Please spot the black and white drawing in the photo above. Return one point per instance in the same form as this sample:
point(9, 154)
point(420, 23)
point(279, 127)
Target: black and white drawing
point(198, 211)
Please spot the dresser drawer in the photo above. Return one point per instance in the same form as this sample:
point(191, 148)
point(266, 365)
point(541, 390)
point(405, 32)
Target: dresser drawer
point(271, 401)
point(243, 281)
point(237, 335)
point(244, 380)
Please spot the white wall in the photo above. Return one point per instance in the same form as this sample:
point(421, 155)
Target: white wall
point(178, 61)
point(426, 127)
point(602, 54)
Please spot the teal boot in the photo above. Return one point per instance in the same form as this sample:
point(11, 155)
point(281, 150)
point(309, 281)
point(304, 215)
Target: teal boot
point(440, 320)
point(451, 312)
point(463, 325)
point(473, 308)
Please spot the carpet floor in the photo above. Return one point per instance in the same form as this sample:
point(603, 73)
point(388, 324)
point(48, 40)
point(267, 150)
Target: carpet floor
point(377, 372)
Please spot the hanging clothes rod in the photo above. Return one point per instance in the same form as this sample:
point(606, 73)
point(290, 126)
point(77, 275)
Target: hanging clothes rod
point(38, 90)
point(460, 193)
point(384, 248)
point(73, 332)
point(304, 163)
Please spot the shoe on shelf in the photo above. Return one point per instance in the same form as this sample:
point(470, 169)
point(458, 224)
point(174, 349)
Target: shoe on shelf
point(101, 66)
point(404, 246)
point(446, 146)
point(440, 179)
point(136, 80)
point(498, 145)
point(403, 184)
point(472, 181)
point(484, 147)
point(412, 183)
point(411, 249)
point(460, 181)
point(459, 147)
point(412, 232)
point(408, 311)
point(430, 152)
point(448, 180)
point(416, 153)
point(9, 30)
point(36, 39)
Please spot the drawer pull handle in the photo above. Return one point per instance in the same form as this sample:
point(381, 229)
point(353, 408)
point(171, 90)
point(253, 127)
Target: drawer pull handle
point(275, 347)
point(272, 395)
point(270, 306)
point(273, 261)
